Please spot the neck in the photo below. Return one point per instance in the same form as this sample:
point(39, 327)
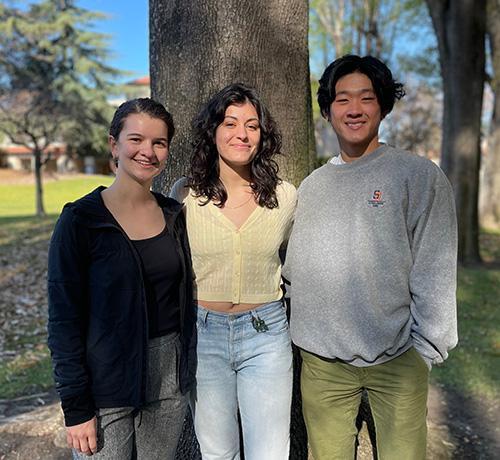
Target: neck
point(129, 191)
point(234, 178)
point(352, 153)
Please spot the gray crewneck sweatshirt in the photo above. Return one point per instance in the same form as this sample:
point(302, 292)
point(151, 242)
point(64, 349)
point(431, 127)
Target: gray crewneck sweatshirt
point(372, 260)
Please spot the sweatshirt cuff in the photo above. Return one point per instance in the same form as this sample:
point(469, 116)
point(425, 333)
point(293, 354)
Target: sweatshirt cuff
point(427, 361)
point(78, 409)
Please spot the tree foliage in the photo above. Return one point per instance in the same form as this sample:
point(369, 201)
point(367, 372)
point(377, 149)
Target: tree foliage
point(53, 77)
point(415, 124)
point(338, 27)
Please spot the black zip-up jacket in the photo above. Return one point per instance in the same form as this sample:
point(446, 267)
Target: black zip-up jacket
point(98, 328)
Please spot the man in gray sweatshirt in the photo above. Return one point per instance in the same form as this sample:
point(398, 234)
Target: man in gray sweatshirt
point(372, 265)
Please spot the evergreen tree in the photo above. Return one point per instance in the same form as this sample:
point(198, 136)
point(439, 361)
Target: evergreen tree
point(53, 77)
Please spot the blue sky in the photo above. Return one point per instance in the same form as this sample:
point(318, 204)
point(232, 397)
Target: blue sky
point(128, 26)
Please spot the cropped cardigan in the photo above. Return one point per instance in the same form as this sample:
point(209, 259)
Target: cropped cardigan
point(238, 265)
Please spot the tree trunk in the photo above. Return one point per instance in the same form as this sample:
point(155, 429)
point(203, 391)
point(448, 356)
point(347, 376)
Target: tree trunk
point(197, 48)
point(490, 185)
point(460, 29)
point(40, 210)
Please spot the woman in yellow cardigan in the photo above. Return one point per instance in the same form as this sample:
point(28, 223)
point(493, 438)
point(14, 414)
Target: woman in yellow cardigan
point(239, 214)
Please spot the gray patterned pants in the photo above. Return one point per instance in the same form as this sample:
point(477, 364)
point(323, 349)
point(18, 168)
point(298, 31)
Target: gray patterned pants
point(151, 433)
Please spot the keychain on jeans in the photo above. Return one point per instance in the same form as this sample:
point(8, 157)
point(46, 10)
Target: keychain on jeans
point(259, 324)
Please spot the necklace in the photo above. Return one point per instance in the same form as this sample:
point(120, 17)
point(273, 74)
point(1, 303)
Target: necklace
point(239, 205)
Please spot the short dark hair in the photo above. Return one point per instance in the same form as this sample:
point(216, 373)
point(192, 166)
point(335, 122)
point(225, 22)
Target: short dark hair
point(386, 88)
point(141, 105)
point(203, 175)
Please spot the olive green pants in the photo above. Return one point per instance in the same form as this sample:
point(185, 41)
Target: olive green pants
point(397, 391)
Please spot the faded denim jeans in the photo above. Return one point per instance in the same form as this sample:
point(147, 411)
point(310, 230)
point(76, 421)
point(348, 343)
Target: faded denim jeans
point(243, 365)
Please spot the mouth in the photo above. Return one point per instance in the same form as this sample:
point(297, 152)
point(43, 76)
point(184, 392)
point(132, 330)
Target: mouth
point(355, 125)
point(147, 164)
point(240, 146)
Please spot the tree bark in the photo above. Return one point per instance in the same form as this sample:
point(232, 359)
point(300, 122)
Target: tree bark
point(460, 28)
point(197, 48)
point(490, 185)
point(40, 209)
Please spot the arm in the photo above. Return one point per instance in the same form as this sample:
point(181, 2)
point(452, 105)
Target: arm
point(433, 275)
point(67, 295)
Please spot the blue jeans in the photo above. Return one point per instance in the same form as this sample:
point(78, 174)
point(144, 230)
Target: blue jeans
point(241, 368)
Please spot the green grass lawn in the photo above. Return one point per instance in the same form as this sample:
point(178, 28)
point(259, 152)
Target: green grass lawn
point(19, 200)
point(474, 366)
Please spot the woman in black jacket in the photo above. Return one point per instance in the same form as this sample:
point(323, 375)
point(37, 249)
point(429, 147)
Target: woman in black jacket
point(120, 307)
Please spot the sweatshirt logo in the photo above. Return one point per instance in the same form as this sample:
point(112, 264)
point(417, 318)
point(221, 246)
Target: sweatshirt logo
point(376, 199)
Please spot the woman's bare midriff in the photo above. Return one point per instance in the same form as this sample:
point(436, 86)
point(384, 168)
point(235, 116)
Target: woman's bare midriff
point(228, 307)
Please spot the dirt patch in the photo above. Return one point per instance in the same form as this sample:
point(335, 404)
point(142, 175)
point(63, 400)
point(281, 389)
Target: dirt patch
point(459, 428)
point(31, 427)
point(462, 427)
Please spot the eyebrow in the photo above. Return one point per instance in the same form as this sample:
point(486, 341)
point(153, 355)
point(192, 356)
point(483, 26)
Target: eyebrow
point(142, 135)
point(236, 118)
point(359, 91)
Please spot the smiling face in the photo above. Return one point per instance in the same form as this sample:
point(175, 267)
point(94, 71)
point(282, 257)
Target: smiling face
point(238, 136)
point(355, 115)
point(141, 148)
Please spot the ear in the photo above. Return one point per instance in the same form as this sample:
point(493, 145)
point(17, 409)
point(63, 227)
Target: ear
point(112, 145)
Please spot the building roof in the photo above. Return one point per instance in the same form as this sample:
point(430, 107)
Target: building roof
point(23, 150)
point(142, 81)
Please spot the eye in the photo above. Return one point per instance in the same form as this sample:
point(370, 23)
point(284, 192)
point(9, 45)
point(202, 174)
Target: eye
point(161, 144)
point(368, 98)
point(135, 140)
point(229, 124)
point(341, 100)
point(253, 127)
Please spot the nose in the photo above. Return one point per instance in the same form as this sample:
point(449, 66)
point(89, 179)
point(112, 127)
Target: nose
point(147, 148)
point(241, 132)
point(354, 109)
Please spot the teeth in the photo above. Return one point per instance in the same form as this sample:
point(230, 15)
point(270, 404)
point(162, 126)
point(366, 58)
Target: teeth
point(354, 125)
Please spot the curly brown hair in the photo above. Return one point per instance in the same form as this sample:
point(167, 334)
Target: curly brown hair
point(203, 177)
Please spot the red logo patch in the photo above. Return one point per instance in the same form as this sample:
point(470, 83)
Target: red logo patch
point(376, 199)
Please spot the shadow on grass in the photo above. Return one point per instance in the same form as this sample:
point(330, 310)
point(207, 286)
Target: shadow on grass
point(35, 220)
point(22, 230)
point(475, 434)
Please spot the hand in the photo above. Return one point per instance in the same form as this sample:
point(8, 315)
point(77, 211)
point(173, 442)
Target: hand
point(83, 437)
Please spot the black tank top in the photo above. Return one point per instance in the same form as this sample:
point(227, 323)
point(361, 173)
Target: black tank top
point(162, 273)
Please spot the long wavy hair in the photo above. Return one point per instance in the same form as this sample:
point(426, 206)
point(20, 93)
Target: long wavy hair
point(203, 177)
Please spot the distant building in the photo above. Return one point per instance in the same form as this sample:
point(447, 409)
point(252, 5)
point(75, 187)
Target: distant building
point(20, 158)
point(140, 87)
